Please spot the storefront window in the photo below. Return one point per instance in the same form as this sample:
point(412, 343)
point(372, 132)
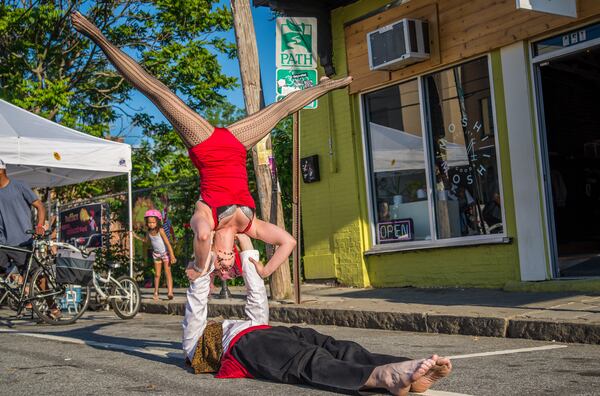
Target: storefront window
point(398, 163)
point(459, 145)
point(460, 120)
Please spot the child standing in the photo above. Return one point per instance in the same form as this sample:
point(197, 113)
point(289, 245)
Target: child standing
point(162, 251)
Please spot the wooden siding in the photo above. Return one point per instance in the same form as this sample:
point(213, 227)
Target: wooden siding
point(459, 29)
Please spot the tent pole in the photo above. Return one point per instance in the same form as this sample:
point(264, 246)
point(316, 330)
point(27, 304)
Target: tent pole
point(130, 204)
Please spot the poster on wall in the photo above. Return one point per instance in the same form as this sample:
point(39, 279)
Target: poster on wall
point(557, 7)
point(82, 224)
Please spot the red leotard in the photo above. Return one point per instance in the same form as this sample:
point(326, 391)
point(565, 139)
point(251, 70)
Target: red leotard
point(221, 163)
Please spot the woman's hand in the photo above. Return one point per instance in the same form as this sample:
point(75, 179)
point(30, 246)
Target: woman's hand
point(174, 260)
point(260, 268)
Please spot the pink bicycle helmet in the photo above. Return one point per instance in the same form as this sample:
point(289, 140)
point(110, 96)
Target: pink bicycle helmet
point(153, 213)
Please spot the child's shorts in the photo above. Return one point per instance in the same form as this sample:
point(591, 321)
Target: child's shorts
point(161, 257)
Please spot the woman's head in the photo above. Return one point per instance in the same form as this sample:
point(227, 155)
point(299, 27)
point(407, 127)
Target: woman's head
point(153, 219)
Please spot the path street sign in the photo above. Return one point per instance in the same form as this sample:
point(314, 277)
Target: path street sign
point(296, 42)
point(290, 80)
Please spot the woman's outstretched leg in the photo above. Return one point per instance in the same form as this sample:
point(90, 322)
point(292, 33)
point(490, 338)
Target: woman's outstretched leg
point(253, 128)
point(190, 126)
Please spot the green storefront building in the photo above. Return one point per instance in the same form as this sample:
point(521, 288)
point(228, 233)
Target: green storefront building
point(466, 152)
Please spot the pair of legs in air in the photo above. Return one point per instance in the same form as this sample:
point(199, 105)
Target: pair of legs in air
point(193, 129)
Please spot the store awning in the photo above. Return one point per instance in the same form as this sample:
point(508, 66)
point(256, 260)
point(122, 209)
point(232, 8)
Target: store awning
point(395, 150)
point(46, 154)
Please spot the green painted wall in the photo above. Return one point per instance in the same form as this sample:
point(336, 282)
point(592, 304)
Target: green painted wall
point(335, 213)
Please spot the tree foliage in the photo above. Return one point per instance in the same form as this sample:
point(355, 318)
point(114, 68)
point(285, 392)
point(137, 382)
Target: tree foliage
point(48, 68)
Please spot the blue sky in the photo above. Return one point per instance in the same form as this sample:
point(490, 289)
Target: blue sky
point(264, 24)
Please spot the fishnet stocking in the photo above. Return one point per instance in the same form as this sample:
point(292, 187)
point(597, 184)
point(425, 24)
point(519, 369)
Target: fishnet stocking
point(190, 126)
point(253, 128)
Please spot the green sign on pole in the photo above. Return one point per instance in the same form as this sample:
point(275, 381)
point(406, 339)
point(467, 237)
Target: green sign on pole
point(296, 41)
point(290, 80)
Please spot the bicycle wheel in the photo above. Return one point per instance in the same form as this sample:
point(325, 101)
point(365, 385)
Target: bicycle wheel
point(8, 300)
point(125, 297)
point(56, 304)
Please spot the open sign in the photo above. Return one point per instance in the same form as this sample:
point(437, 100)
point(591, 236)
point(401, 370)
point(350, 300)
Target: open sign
point(395, 231)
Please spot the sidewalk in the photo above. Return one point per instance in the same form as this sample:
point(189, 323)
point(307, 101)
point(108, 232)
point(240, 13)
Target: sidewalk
point(561, 317)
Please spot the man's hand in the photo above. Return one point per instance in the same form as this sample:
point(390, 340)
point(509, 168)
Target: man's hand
point(191, 272)
point(39, 230)
point(260, 268)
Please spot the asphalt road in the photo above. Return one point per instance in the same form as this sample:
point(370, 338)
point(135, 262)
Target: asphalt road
point(103, 354)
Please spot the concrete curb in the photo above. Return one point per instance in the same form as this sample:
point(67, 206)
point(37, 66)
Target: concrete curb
point(571, 332)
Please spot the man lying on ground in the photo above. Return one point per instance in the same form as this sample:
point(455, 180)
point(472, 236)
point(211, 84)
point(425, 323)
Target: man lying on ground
point(291, 355)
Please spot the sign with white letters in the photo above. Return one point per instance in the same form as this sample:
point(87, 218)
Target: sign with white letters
point(290, 80)
point(296, 43)
point(296, 56)
point(558, 7)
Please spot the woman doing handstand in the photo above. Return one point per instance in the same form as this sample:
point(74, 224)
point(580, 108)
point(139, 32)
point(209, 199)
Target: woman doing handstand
point(226, 205)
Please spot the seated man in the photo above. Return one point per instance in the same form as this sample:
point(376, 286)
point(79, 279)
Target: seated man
point(292, 355)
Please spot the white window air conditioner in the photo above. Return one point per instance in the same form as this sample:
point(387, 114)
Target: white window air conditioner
point(398, 45)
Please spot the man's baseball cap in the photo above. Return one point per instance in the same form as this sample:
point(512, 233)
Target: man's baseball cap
point(2, 164)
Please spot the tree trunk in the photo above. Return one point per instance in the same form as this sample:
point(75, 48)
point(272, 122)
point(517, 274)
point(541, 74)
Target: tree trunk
point(250, 73)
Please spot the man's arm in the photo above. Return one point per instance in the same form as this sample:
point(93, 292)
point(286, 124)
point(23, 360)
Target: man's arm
point(41, 216)
point(196, 311)
point(257, 303)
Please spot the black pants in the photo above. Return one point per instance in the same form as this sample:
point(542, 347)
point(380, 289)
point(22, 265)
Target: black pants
point(295, 355)
point(20, 259)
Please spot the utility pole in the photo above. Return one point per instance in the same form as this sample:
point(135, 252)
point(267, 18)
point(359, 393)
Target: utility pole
point(250, 73)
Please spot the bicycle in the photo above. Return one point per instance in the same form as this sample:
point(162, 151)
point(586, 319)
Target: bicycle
point(122, 293)
point(53, 302)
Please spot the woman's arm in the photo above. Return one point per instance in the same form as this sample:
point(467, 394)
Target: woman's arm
point(253, 128)
point(190, 126)
point(270, 233)
point(165, 239)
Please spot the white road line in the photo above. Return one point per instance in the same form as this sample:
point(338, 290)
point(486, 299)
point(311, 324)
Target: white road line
point(164, 353)
point(507, 351)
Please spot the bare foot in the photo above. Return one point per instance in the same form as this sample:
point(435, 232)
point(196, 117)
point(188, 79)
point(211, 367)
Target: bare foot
point(441, 369)
point(155, 297)
point(83, 25)
point(338, 83)
point(398, 377)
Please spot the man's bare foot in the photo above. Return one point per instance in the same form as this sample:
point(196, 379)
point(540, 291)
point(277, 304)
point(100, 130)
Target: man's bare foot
point(441, 369)
point(398, 377)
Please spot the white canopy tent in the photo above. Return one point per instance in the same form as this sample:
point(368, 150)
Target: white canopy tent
point(46, 154)
point(395, 150)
